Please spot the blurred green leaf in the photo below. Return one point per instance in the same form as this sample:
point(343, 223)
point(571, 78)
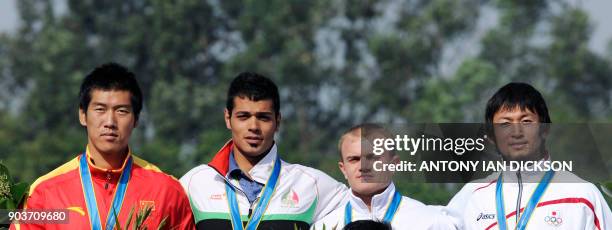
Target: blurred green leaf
point(19, 192)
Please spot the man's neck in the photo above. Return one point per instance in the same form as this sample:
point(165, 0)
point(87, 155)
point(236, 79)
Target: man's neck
point(367, 199)
point(534, 157)
point(108, 160)
point(246, 163)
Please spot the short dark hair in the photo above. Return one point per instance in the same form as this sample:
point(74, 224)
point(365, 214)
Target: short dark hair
point(372, 130)
point(367, 225)
point(255, 87)
point(111, 76)
point(517, 94)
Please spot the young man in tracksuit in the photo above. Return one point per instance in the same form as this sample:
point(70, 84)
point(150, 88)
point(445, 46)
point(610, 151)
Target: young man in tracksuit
point(106, 180)
point(517, 117)
point(246, 185)
point(373, 195)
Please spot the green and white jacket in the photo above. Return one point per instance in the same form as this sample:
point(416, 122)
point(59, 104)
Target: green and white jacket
point(302, 195)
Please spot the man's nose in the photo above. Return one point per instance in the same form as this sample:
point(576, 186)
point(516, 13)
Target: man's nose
point(516, 130)
point(365, 166)
point(110, 120)
point(253, 125)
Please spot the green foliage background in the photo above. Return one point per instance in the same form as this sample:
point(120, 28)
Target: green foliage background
point(337, 63)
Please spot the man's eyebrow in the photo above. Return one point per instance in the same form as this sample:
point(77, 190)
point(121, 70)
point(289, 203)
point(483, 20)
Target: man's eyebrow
point(114, 107)
point(505, 118)
point(123, 106)
point(527, 115)
point(256, 113)
point(98, 104)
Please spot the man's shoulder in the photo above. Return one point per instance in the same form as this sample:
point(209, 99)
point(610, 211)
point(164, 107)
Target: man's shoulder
point(145, 165)
point(422, 216)
point(200, 172)
point(411, 203)
point(415, 207)
point(57, 177)
point(475, 192)
point(314, 173)
point(571, 183)
point(460, 200)
point(147, 173)
point(481, 185)
point(563, 177)
point(326, 186)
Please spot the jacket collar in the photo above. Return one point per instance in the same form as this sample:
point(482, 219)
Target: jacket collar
point(105, 174)
point(380, 202)
point(260, 172)
point(530, 176)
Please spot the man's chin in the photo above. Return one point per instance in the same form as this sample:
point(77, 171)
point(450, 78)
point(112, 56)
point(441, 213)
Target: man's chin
point(520, 157)
point(367, 188)
point(252, 154)
point(253, 151)
point(110, 149)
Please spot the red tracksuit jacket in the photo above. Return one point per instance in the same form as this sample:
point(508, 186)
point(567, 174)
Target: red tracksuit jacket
point(147, 186)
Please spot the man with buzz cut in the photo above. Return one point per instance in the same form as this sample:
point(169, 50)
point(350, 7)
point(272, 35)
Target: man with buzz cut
point(517, 123)
point(246, 185)
point(373, 195)
point(106, 181)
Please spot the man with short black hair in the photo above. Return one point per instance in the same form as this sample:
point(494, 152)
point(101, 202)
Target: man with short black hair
point(93, 186)
point(517, 123)
point(246, 184)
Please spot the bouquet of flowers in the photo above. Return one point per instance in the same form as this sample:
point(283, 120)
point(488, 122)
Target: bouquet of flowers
point(12, 195)
point(141, 217)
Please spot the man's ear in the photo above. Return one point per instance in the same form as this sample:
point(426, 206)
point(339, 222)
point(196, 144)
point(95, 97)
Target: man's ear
point(342, 169)
point(488, 129)
point(82, 117)
point(278, 121)
point(490, 138)
point(227, 116)
point(545, 130)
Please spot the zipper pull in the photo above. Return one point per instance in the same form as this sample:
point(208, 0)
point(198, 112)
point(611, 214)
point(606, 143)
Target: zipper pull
point(108, 178)
point(253, 205)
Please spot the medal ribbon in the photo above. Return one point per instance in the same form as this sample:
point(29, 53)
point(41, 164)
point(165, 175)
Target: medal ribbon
point(262, 204)
point(391, 210)
point(531, 205)
point(90, 195)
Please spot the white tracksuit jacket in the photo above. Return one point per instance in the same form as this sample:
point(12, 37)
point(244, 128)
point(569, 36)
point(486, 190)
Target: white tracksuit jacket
point(568, 203)
point(302, 195)
point(411, 213)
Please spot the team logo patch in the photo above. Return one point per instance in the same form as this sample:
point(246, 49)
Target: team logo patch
point(147, 203)
point(217, 196)
point(554, 219)
point(290, 199)
point(484, 216)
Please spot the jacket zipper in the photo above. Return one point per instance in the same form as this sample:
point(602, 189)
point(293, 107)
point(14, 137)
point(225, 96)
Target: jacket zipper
point(108, 178)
